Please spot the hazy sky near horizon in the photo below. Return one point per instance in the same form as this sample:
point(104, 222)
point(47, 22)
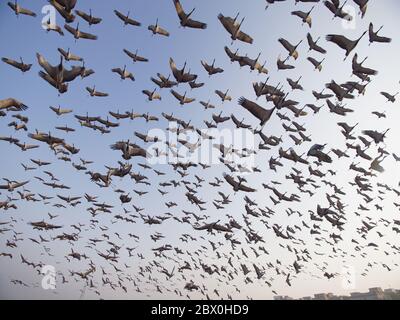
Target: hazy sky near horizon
point(24, 37)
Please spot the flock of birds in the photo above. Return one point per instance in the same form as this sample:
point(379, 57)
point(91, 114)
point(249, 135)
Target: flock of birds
point(213, 226)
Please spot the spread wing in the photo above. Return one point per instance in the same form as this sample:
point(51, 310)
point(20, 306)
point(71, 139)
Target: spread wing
point(11, 62)
point(173, 66)
point(157, 82)
point(50, 80)
point(135, 56)
point(117, 70)
point(63, 52)
point(230, 54)
point(286, 44)
point(87, 17)
point(159, 30)
point(187, 77)
point(310, 40)
point(176, 95)
point(12, 6)
point(129, 54)
point(17, 64)
point(255, 109)
point(230, 180)
point(83, 15)
point(89, 36)
point(299, 14)
point(313, 45)
point(70, 75)
point(68, 4)
point(126, 19)
point(8, 103)
point(235, 120)
point(227, 22)
point(244, 37)
point(101, 94)
point(196, 24)
point(332, 5)
point(27, 12)
point(319, 49)
point(189, 100)
point(120, 15)
point(183, 16)
point(340, 40)
point(19, 184)
point(70, 29)
point(219, 93)
point(179, 9)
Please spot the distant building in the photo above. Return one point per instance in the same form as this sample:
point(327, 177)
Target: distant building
point(392, 294)
point(283, 298)
point(372, 294)
point(324, 296)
